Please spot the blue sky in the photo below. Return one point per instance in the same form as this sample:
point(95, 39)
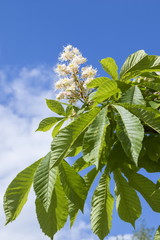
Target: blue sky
point(32, 33)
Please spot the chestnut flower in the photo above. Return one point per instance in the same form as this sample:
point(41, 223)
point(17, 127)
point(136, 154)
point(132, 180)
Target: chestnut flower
point(73, 84)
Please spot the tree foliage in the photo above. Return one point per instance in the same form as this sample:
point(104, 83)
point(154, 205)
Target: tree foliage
point(143, 232)
point(116, 130)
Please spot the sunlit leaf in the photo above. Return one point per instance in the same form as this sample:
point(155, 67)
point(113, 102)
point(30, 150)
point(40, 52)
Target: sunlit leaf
point(57, 127)
point(105, 91)
point(53, 220)
point(55, 106)
point(157, 234)
point(110, 66)
point(94, 138)
point(133, 96)
point(147, 188)
point(80, 164)
point(148, 115)
point(73, 184)
point(96, 82)
point(47, 123)
point(131, 62)
point(102, 207)
point(68, 135)
point(17, 192)
point(138, 63)
point(130, 132)
point(73, 209)
point(44, 181)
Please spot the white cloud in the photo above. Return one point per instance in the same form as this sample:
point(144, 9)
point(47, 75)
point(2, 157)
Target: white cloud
point(22, 106)
point(121, 237)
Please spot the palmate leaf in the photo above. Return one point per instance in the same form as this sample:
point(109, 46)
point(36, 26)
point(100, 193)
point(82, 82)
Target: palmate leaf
point(153, 85)
point(73, 184)
point(76, 147)
point(105, 91)
point(89, 177)
point(47, 123)
point(55, 106)
point(73, 212)
point(44, 181)
point(133, 96)
point(157, 234)
point(130, 132)
point(154, 104)
point(102, 207)
point(138, 63)
point(150, 160)
point(17, 192)
point(53, 220)
point(58, 127)
point(148, 115)
point(68, 135)
point(153, 147)
point(130, 63)
point(80, 164)
point(127, 201)
point(117, 157)
point(146, 187)
point(73, 209)
point(110, 66)
point(149, 165)
point(94, 138)
point(96, 82)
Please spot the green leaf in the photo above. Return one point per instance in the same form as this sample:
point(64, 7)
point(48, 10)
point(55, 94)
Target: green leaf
point(148, 158)
point(153, 147)
point(94, 138)
point(73, 209)
point(102, 207)
point(69, 110)
point(123, 86)
point(53, 220)
point(117, 157)
point(110, 66)
point(130, 132)
point(152, 85)
point(157, 234)
point(133, 96)
point(76, 147)
point(47, 123)
point(139, 63)
point(131, 62)
point(147, 189)
point(154, 105)
point(68, 135)
point(149, 165)
point(127, 201)
point(80, 164)
point(73, 184)
point(96, 82)
point(73, 212)
point(44, 181)
point(56, 107)
point(57, 127)
point(148, 115)
point(17, 192)
point(89, 177)
point(105, 91)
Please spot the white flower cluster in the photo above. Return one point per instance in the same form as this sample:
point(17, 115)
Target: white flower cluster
point(73, 79)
